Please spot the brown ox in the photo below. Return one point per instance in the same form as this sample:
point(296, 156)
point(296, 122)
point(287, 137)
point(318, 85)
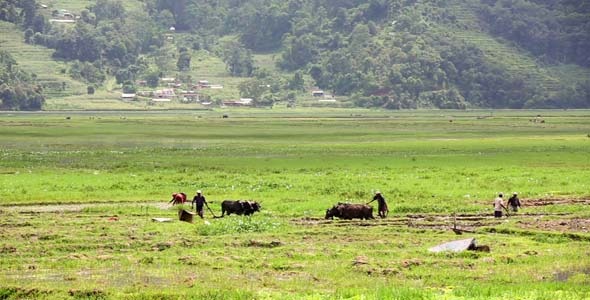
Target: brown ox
point(350, 211)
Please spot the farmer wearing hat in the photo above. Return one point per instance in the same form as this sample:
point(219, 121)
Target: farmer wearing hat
point(382, 205)
point(514, 202)
point(498, 206)
point(199, 202)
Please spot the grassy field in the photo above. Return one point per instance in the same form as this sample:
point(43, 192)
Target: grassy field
point(76, 6)
point(78, 191)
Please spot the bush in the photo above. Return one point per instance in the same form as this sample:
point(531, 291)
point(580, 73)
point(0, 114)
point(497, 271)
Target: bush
point(238, 225)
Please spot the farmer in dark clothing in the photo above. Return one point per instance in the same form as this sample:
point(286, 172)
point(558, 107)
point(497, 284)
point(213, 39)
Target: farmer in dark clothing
point(514, 202)
point(199, 202)
point(382, 208)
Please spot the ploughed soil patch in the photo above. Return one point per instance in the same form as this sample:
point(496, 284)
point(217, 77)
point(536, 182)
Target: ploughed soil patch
point(563, 225)
point(461, 222)
point(554, 201)
point(76, 207)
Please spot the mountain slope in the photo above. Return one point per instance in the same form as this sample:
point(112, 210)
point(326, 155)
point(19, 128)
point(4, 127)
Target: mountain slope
point(515, 60)
point(38, 60)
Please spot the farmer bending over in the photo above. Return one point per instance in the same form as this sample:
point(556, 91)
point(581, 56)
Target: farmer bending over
point(382, 206)
point(178, 198)
point(199, 202)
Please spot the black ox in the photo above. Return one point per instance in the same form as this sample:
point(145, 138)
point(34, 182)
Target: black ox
point(239, 207)
point(350, 211)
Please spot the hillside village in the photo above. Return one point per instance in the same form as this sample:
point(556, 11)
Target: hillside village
point(442, 54)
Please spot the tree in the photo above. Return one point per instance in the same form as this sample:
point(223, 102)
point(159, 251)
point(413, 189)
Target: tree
point(152, 78)
point(254, 88)
point(29, 36)
point(40, 24)
point(108, 10)
point(178, 9)
point(166, 19)
point(297, 83)
point(18, 90)
point(264, 29)
point(129, 87)
point(238, 60)
point(299, 51)
point(8, 11)
point(28, 12)
point(88, 72)
point(88, 17)
point(184, 60)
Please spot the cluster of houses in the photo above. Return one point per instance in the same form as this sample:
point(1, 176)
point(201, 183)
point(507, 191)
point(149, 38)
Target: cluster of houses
point(241, 102)
point(172, 91)
point(322, 97)
point(62, 16)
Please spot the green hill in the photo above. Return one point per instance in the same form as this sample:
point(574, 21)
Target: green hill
point(38, 60)
point(76, 6)
point(509, 56)
point(390, 54)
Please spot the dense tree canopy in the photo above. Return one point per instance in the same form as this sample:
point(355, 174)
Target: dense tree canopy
point(18, 90)
point(384, 53)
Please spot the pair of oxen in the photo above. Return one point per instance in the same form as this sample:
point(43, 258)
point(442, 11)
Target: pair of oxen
point(238, 207)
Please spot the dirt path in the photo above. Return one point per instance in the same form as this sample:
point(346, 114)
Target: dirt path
point(61, 208)
point(562, 225)
point(554, 201)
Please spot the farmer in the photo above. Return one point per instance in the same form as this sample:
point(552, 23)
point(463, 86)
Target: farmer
point(382, 205)
point(498, 206)
point(178, 198)
point(514, 202)
point(199, 202)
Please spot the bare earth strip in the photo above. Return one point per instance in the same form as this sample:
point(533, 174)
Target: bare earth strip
point(58, 208)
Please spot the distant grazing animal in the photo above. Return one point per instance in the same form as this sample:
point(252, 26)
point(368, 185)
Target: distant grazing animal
point(350, 211)
point(239, 207)
point(178, 198)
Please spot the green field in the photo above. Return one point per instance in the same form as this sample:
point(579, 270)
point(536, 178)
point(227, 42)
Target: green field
point(78, 192)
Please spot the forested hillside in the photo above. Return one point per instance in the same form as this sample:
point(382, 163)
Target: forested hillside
point(18, 90)
point(380, 53)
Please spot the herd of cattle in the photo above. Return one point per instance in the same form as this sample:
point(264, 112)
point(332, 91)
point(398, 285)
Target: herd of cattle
point(341, 210)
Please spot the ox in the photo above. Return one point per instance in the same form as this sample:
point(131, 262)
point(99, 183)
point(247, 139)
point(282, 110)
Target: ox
point(239, 207)
point(350, 211)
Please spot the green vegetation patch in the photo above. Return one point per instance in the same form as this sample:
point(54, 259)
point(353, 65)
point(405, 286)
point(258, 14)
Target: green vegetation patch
point(81, 196)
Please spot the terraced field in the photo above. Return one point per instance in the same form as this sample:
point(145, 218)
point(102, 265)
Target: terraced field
point(51, 74)
point(516, 62)
point(76, 6)
point(503, 53)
